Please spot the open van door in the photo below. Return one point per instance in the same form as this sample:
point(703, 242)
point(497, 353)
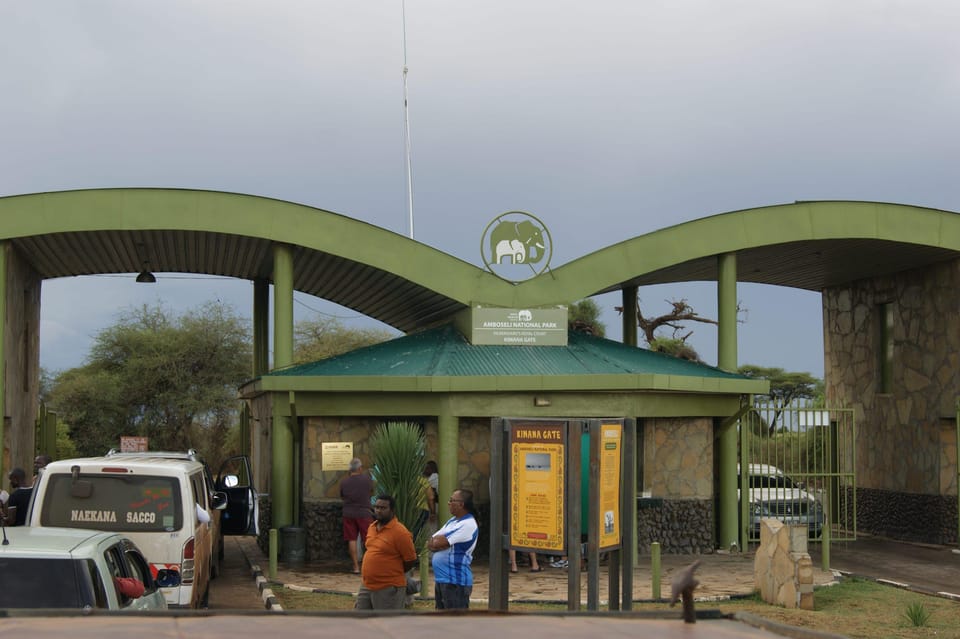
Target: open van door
point(241, 515)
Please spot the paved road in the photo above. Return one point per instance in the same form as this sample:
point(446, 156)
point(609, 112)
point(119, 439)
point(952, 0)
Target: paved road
point(234, 589)
point(400, 626)
point(931, 569)
point(923, 567)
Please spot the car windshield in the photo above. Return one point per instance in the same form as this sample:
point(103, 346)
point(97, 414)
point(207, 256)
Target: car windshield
point(770, 481)
point(114, 502)
point(34, 582)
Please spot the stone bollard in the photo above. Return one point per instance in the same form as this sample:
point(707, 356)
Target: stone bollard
point(782, 568)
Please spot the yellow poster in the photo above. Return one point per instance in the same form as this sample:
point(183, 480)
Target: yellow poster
point(335, 455)
point(611, 438)
point(537, 485)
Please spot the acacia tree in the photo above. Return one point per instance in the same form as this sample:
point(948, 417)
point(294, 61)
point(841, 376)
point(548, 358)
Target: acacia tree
point(172, 379)
point(325, 337)
point(785, 388)
point(584, 316)
point(676, 344)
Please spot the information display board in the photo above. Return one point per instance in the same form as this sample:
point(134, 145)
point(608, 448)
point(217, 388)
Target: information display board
point(536, 486)
point(611, 440)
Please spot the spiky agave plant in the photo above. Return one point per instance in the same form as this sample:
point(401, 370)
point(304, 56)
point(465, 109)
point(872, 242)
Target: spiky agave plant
point(398, 455)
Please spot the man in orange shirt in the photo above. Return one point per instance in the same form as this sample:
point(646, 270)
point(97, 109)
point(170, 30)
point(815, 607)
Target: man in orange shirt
point(390, 554)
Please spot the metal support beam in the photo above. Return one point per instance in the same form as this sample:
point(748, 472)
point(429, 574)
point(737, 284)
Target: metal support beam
point(628, 510)
point(282, 305)
point(261, 327)
point(448, 443)
point(727, 432)
point(498, 597)
point(4, 251)
point(281, 432)
point(573, 508)
point(629, 315)
point(281, 489)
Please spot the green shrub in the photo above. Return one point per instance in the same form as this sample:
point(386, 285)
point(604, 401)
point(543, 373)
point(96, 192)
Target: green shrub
point(917, 615)
point(397, 449)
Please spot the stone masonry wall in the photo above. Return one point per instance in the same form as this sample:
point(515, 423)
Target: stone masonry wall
point(22, 355)
point(928, 519)
point(906, 439)
point(678, 458)
point(678, 470)
point(680, 526)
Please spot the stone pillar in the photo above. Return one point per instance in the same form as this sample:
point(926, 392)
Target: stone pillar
point(782, 568)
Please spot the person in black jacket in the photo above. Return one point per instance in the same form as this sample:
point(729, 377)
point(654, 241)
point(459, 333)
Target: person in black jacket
point(19, 499)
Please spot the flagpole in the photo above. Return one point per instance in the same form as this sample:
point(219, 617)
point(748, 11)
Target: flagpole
point(406, 119)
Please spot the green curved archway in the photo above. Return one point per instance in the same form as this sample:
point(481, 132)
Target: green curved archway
point(808, 245)
point(824, 243)
point(175, 230)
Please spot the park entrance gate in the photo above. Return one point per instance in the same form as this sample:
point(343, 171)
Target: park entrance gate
point(799, 468)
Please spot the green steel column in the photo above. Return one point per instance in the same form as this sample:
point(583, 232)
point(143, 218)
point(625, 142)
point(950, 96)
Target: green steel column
point(282, 305)
point(630, 315)
point(727, 311)
point(448, 442)
point(3, 352)
point(727, 360)
point(281, 440)
point(246, 445)
point(261, 327)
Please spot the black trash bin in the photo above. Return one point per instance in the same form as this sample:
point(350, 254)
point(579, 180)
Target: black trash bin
point(293, 545)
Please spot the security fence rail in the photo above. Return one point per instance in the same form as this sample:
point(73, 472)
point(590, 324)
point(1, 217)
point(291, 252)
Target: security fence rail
point(797, 465)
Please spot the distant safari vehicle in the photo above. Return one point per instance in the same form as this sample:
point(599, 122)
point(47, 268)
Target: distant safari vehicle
point(774, 495)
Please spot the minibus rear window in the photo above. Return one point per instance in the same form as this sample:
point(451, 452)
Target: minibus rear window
point(124, 503)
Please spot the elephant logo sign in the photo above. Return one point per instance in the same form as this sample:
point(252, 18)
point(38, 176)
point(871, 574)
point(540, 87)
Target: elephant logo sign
point(516, 246)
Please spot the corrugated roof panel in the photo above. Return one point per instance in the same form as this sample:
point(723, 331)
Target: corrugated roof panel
point(444, 352)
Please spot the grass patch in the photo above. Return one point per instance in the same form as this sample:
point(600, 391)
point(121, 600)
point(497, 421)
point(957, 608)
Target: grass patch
point(856, 608)
point(859, 608)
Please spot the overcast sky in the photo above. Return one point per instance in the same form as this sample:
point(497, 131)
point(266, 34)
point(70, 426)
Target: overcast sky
point(606, 119)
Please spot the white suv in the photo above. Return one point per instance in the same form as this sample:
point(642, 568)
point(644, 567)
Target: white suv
point(774, 495)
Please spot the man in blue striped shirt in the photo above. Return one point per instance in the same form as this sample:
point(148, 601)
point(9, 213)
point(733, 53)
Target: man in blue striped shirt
point(452, 548)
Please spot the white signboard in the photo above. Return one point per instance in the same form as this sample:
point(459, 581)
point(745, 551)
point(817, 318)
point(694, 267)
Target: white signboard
point(519, 327)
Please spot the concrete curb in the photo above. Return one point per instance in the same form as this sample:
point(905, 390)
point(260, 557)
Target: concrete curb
point(266, 593)
point(904, 586)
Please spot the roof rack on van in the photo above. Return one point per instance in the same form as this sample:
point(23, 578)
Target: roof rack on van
point(190, 453)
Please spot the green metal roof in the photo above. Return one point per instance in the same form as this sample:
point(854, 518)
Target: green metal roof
point(444, 352)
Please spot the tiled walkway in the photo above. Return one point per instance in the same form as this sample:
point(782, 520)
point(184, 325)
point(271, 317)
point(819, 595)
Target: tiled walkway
point(720, 575)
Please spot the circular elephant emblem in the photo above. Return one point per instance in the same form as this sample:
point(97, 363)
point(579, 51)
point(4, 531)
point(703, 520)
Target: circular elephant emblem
point(516, 246)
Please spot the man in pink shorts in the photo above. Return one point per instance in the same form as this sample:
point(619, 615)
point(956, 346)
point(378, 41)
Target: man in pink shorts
point(355, 490)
